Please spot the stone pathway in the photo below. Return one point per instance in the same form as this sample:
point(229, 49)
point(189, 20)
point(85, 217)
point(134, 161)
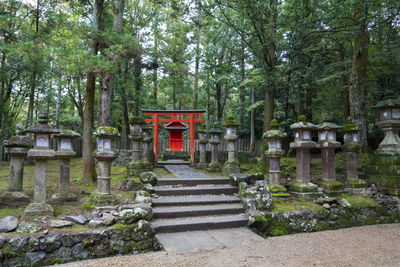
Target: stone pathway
point(376, 245)
point(183, 171)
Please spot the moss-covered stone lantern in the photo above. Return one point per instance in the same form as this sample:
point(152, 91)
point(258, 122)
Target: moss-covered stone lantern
point(389, 111)
point(384, 165)
point(214, 134)
point(303, 187)
point(351, 146)
point(136, 166)
point(17, 148)
point(202, 133)
point(327, 143)
point(274, 154)
point(65, 153)
point(146, 146)
point(41, 152)
point(105, 155)
point(232, 164)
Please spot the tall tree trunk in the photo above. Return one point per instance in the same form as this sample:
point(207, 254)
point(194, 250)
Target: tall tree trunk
point(271, 60)
point(344, 82)
point(89, 170)
point(58, 103)
point(196, 70)
point(359, 70)
point(252, 122)
point(137, 73)
point(242, 88)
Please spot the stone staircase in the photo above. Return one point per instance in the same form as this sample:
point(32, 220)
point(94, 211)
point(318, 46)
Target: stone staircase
point(189, 204)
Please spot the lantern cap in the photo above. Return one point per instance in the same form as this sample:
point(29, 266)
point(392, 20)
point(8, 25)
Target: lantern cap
point(202, 128)
point(42, 126)
point(19, 141)
point(106, 131)
point(137, 120)
point(230, 121)
point(66, 134)
point(303, 124)
point(387, 103)
point(274, 134)
point(147, 128)
point(350, 126)
point(215, 130)
point(274, 124)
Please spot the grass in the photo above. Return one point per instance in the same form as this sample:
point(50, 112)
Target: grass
point(288, 205)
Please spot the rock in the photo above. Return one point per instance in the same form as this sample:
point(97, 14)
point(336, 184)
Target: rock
point(108, 219)
point(28, 228)
point(79, 252)
point(8, 224)
point(132, 184)
point(328, 200)
point(59, 223)
point(63, 253)
point(261, 183)
point(141, 199)
point(236, 178)
point(149, 188)
point(67, 240)
point(18, 242)
point(148, 177)
point(130, 216)
point(265, 199)
point(142, 193)
point(95, 223)
point(45, 232)
point(106, 208)
point(344, 203)
point(134, 206)
point(2, 241)
point(334, 206)
point(50, 243)
point(35, 257)
point(326, 206)
point(76, 219)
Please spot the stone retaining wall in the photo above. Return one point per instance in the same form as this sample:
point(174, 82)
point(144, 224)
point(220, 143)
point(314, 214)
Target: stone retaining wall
point(44, 250)
point(275, 224)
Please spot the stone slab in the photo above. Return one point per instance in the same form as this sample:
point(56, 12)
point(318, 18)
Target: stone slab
point(206, 240)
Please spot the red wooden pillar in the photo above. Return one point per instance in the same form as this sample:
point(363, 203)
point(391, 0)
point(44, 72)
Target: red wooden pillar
point(192, 137)
point(155, 137)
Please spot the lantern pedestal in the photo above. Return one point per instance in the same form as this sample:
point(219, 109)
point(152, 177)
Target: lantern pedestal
point(303, 187)
point(39, 207)
point(232, 164)
point(137, 165)
point(214, 141)
point(17, 149)
point(202, 147)
point(353, 184)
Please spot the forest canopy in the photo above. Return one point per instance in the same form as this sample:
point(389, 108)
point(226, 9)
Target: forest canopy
point(93, 63)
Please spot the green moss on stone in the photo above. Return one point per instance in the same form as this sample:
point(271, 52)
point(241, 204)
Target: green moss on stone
point(332, 185)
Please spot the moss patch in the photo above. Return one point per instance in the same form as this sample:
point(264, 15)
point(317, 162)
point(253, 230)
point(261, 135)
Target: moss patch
point(284, 206)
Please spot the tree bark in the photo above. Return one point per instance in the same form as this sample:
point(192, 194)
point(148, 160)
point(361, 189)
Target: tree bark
point(358, 87)
point(137, 73)
point(252, 122)
point(344, 82)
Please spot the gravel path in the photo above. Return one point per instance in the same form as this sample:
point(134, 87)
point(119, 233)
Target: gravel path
point(377, 245)
point(183, 171)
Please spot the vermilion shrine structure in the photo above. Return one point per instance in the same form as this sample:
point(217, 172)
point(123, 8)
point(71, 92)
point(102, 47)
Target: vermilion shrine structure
point(176, 126)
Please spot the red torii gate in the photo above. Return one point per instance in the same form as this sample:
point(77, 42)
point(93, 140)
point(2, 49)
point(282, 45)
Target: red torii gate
point(155, 120)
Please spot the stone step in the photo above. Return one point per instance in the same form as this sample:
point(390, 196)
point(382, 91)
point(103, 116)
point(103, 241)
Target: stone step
point(195, 190)
point(194, 200)
point(192, 181)
point(202, 210)
point(198, 223)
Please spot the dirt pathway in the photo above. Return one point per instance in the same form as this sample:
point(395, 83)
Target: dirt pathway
point(377, 245)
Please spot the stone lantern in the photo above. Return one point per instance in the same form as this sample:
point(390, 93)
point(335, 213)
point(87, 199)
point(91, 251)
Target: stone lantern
point(303, 144)
point(327, 143)
point(65, 153)
point(105, 155)
point(232, 164)
point(385, 163)
point(147, 139)
point(214, 134)
point(202, 133)
point(389, 111)
point(136, 166)
point(41, 152)
point(275, 152)
point(17, 148)
point(351, 146)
